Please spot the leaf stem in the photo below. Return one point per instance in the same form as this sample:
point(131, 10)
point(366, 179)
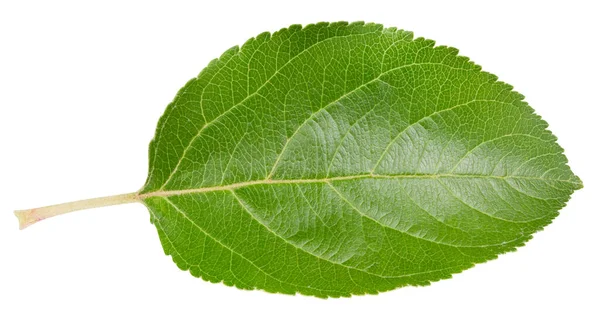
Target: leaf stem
point(31, 216)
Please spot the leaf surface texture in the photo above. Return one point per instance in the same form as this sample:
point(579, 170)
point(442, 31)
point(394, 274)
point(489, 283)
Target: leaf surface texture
point(340, 159)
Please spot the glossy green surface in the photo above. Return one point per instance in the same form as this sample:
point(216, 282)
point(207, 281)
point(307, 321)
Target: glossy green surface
point(340, 159)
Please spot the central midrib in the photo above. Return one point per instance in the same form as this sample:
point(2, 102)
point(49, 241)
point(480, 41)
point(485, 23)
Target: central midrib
point(233, 186)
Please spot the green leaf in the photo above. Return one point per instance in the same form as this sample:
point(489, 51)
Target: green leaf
point(345, 159)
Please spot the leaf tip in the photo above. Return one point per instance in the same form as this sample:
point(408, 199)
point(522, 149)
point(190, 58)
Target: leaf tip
point(578, 183)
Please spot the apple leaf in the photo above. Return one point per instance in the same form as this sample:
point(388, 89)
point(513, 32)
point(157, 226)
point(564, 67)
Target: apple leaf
point(345, 159)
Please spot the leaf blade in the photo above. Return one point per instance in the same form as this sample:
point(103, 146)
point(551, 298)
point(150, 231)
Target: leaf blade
point(356, 160)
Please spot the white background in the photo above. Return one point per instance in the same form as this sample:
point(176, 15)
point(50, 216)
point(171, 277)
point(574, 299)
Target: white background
point(83, 85)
